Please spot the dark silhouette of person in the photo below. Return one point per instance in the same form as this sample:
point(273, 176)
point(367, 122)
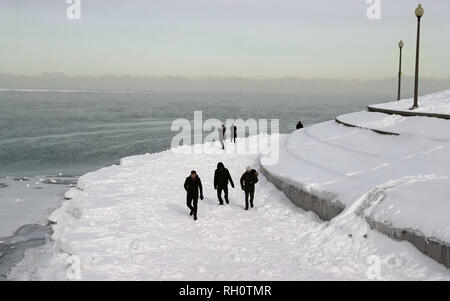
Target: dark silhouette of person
point(221, 178)
point(193, 186)
point(248, 181)
point(299, 125)
point(233, 133)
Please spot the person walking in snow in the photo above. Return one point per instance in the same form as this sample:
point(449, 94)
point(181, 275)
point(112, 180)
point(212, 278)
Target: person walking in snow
point(222, 130)
point(193, 185)
point(233, 133)
point(221, 178)
point(299, 125)
point(248, 181)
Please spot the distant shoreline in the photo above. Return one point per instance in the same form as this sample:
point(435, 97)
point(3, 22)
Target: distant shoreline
point(85, 91)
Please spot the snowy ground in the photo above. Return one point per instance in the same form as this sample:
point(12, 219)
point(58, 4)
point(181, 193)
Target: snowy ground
point(129, 222)
point(438, 103)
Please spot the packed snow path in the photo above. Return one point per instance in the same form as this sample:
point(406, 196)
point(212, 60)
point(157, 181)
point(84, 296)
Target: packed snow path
point(130, 222)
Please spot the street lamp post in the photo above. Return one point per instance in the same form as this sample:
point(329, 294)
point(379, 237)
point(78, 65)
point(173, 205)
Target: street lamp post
point(400, 45)
point(419, 14)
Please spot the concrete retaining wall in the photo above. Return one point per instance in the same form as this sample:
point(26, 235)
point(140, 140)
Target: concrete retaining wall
point(325, 209)
point(432, 247)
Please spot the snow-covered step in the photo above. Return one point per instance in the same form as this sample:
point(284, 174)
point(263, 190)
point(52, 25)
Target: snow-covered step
point(338, 166)
point(433, 105)
point(420, 127)
point(413, 208)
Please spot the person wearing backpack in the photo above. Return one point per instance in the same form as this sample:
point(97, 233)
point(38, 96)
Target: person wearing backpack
point(221, 178)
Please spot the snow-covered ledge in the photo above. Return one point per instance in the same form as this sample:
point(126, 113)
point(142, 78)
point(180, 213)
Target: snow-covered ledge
point(326, 209)
point(431, 246)
point(435, 105)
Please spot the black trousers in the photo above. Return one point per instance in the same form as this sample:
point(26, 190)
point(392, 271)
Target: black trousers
point(219, 193)
point(249, 192)
point(191, 202)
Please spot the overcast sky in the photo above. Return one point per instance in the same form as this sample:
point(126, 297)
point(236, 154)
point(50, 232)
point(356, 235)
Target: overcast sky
point(242, 38)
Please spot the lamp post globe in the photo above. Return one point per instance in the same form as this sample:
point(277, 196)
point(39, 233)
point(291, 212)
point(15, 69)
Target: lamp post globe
point(419, 11)
point(400, 44)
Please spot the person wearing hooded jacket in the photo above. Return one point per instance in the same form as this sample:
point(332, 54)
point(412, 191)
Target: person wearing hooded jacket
point(193, 185)
point(248, 181)
point(221, 178)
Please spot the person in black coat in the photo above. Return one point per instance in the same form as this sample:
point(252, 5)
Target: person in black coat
point(221, 178)
point(233, 131)
point(193, 185)
point(299, 125)
point(248, 181)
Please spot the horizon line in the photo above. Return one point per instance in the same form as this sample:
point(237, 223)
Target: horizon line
point(220, 77)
